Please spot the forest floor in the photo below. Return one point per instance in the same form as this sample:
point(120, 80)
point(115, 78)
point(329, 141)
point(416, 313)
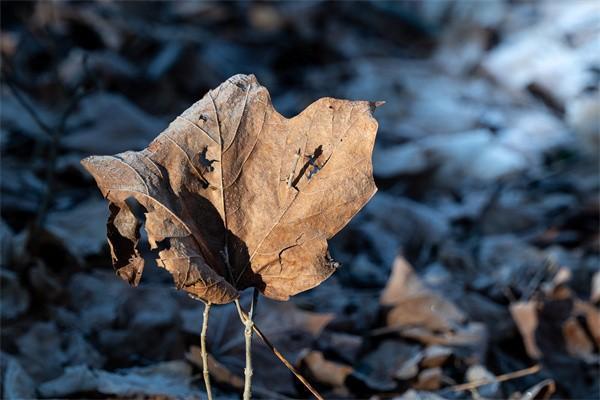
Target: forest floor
point(478, 257)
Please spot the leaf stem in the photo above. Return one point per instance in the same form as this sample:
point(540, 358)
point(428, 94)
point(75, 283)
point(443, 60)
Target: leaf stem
point(500, 378)
point(205, 372)
point(248, 370)
point(248, 326)
point(281, 357)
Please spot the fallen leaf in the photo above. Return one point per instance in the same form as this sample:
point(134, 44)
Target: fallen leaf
point(558, 311)
point(236, 196)
point(390, 357)
point(577, 341)
point(46, 348)
point(526, 318)
point(128, 128)
point(410, 368)
point(435, 356)
point(414, 225)
point(17, 384)
point(473, 335)
point(96, 299)
point(81, 239)
point(417, 312)
point(429, 379)
point(324, 371)
point(428, 310)
point(592, 316)
point(170, 379)
point(414, 305)
point(23, 191)
point(479, 373)
point(403, 283)
point(40, 351)
point(14, 297)
point(13, 111)
point(563, 276)
point(345, 346)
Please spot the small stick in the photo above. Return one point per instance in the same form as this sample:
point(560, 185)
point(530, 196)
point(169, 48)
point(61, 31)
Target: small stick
point(203, 350)
point(500, 378)
point(280, 356)
point(46, 130)
point(248, 324)
point(248, 370)
point(54, 134)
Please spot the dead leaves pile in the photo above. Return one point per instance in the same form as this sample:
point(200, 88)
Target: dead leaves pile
point(555, 321)
point(423, 334)
point(479, 187)
point(423, 340)
point(416, 312)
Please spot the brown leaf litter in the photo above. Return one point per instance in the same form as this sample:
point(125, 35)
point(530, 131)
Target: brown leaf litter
point(557, 312)
point(418, 312)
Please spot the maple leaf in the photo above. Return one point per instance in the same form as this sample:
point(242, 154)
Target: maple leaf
point(235, 195)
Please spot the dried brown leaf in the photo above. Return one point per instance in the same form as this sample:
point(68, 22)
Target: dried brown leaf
point(429, 379)
point(525, 316)
point(435, 356)
point(416, 305)
point(576, 340)
point(592, 316)
point(325, 371)
point(236, 195)
point(473, 334)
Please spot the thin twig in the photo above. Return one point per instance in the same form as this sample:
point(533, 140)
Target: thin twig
point(248, 325)
point(282, 358)
point(203, 350)
point(53, 132)
point(248, 369)
point(46, 130)
point(56, 135)
point(231, 379)
point(500, 378)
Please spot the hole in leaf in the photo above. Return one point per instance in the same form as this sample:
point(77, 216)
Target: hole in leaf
point(312, 161)
point(205, 163)
point(311, 167)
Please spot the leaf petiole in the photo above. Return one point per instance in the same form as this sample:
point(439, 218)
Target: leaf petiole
point(205, 371)
point(277, 353)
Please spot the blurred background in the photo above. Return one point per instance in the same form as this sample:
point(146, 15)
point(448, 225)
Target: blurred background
point(478, 256)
